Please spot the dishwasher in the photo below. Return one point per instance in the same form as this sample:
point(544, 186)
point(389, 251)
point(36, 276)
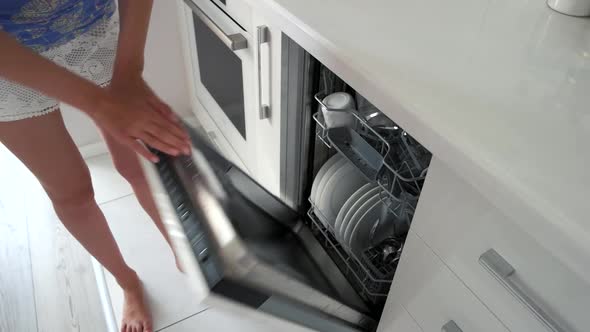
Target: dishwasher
point(240, 244)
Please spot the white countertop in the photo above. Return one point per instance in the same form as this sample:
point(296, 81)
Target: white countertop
point(497, 89)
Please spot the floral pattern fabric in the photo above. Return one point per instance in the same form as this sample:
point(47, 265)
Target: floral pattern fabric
point(90, 55)
point(44, 24)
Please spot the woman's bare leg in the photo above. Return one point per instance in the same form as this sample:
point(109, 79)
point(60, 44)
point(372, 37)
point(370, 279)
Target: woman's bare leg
point(45, 147)
point(127, 164)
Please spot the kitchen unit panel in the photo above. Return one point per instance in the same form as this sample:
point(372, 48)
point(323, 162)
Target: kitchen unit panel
point(531, 290)
point(434, 296)
point(268, 98)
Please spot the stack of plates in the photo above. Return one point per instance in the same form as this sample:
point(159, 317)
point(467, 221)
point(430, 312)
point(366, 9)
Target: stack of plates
point(335, 182)
point(348, 205)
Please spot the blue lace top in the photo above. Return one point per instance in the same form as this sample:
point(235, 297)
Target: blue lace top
point(42, 24)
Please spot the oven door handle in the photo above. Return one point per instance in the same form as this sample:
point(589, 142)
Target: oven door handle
point(234, 41)
point(263, 106)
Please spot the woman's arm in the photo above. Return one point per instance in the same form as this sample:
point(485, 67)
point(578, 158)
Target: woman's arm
point(126, 118)
point(134, 16)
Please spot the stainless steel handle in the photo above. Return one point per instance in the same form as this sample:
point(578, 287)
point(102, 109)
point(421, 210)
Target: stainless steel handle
point(234, 41)
point(500, 269)
point(263, 38)
point(451, 326)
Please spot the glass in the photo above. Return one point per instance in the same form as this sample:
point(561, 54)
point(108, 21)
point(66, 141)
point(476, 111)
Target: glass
point(221, 74)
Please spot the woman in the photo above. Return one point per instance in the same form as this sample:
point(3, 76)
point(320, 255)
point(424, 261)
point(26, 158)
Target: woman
point(65, 50)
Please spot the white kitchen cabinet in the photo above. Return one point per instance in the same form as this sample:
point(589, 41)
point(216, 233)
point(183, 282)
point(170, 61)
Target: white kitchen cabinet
point(434, 296)
point(268, 100)
point(460, 225)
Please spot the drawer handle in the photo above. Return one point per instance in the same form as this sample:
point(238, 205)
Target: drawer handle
point(234, 41)
point(451, 326)
point(500, 269)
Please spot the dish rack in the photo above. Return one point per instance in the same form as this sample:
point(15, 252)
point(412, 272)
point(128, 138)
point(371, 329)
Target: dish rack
point(371, 273)
point(389, 157)
point(385, 154)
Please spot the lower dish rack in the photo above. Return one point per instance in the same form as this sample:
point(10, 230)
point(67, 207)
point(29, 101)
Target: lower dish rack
point(371, 272)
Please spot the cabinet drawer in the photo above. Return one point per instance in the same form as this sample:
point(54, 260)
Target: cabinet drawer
point(536, 291)
point(434, 296)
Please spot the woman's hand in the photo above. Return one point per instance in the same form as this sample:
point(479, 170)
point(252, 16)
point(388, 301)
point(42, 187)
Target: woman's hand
point(132, 113)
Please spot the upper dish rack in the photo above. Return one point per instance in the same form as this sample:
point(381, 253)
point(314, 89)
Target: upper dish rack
point(384, 153)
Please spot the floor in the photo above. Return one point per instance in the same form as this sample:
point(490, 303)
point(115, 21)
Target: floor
point(47, 281)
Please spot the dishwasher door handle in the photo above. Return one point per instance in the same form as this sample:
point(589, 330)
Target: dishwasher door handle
point(234, 41)
point(504, 272)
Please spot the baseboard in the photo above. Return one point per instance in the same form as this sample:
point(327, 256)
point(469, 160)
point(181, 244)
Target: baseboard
point(105, 298)
point(93, 149)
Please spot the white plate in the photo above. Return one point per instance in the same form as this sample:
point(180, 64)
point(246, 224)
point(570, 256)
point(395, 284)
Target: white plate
point(359, 236)
point(338, 188)
point(356, 217)
point(318, 178)
point(367, 195)
point(353, 210)
point(348, 204)
point(322, 186)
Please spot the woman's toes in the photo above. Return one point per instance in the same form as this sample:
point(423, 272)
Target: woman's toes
point(136, 314)
point(147, 327)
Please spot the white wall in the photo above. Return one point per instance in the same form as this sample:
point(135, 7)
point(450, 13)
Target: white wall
point(164, 71)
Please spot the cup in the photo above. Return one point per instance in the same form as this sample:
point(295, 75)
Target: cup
point(337, 110)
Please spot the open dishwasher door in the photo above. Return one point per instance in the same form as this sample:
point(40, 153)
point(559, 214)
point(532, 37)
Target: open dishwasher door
point(238, 243)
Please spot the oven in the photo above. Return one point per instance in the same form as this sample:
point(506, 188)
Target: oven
point(222, 54)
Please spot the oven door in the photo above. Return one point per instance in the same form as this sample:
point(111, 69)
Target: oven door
point(241, 247)
point(222, 63)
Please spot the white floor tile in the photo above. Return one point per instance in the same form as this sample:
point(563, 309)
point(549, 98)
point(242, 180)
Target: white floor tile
point(148, 253)
point(108, 184)
point(221, 321)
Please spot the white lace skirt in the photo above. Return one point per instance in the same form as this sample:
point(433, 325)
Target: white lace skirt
point(90, 55)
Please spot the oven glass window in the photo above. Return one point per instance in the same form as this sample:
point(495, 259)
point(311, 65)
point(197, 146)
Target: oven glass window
point(221, 74)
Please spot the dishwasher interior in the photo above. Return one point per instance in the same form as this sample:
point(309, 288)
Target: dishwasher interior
point(376, 158)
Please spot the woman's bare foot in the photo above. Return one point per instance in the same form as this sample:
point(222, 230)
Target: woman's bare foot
point(136, 314)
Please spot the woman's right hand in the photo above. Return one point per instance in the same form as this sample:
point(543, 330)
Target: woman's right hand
point(136, 118)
